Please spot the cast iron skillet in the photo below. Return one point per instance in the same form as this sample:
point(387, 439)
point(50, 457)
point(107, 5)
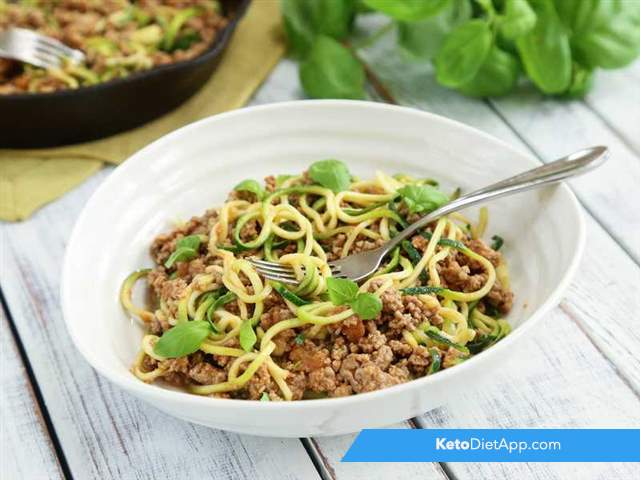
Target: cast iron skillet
point(88, 113)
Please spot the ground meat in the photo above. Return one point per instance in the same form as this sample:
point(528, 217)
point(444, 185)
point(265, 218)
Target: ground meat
point(339, 350)
point(373, 341)
point(352, 328)
point(400, 349)
point(481, 248)
point(419, 242)
point(322, 380)
point(206, 374)
point(500, 297)
point(275, 310)
point(459, 277)
point(309, 356)
point(419, 360)
point(363, 375)
point(297, 382)
point(159, 326)
point(451, 357)
point(404, 312)
point(261, 382)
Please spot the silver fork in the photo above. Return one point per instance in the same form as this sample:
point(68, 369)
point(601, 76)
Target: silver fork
point(36, 49)
point(361, 265)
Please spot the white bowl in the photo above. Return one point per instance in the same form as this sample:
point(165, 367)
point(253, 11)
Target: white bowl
point(193, 168)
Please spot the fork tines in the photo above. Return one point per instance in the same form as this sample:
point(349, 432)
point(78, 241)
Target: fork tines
point(280, 272)
point(32, 47)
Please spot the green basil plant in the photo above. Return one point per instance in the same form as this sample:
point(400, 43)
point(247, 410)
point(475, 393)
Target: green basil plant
point(478, 47)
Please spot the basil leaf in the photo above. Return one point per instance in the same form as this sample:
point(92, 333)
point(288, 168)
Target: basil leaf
point(463, 53)
point(183, 339)
point(297, 26)
point(190, 241)
point(422, 198)
point(497, 243)
point(407, 10)
point(341, 291)
point(581, 81)
point(519, 18)
point(422, 40)
point(181, 254)
point(331, 71)
point(265, 397)
point(304, 20)
point(332, 174)
point(497, 76)
point(604, 33)
point(251, 186)
point(247, 336)
point(545, 50)
point(333, 18)
point(367, 306)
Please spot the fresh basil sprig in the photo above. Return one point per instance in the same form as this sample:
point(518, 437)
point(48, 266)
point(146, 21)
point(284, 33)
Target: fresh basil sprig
point(183, 339)
point(345, 292)
point(186, 249)
point(422, 198)
point(251, 186)
point(332, 174)
point(479, 47)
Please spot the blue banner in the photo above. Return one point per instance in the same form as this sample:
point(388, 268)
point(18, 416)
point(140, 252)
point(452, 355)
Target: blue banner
point(496, 445)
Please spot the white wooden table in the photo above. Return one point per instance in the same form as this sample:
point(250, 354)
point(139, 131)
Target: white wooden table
point(60, 419)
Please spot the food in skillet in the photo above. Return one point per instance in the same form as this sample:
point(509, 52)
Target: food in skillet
point(119, 37)
point(217, 328)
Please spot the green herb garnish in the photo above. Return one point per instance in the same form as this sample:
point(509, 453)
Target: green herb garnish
point(332, 174)
point(422, 198)
point(345, 292)
point(186, 249)
point(183, 339)
point(497, 243)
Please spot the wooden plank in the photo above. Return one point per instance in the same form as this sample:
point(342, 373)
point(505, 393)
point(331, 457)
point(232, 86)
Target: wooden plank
point(105, 433)
point(615, 98)
point(329, 451)
point(26, 449)
point(552, 129)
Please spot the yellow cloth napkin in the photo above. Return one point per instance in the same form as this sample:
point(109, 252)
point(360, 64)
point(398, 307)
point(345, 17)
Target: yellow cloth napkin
point(31, 178)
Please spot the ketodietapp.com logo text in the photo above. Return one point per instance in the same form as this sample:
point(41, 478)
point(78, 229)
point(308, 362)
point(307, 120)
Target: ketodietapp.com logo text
point(474, 443)
point(495, 445)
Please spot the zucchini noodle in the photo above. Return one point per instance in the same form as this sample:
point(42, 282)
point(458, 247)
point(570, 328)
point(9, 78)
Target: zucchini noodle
point(305, 226)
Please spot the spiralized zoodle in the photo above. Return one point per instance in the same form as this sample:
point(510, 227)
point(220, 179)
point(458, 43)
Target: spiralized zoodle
point(438, 300)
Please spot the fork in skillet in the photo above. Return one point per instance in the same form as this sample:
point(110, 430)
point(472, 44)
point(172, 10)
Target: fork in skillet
point(36, 49)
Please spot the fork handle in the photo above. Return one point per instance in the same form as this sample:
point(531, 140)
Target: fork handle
point(574, 164)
